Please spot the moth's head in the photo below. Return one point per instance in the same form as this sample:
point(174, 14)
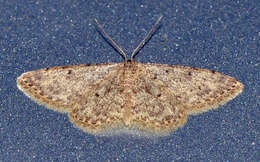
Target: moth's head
point(129, 62)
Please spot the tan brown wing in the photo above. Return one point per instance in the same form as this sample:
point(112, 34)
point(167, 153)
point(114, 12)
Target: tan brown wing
point(101, 106)
point(58, 87)
point(167, 94)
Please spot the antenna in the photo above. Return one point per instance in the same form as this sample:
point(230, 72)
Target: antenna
point(139, 46)
point(146, 38)
point(113, 43)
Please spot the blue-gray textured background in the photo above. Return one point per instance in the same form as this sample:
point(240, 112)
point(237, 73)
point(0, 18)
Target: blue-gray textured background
point(221, 35)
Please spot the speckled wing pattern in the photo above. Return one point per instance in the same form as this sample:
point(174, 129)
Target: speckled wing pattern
point(58, 87)
point(168, 93)
point(148, 97)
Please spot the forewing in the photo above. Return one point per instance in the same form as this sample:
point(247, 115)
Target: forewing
point(195, 89)
point(60, 87)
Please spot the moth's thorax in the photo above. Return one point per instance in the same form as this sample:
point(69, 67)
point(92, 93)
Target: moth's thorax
point(128, 75)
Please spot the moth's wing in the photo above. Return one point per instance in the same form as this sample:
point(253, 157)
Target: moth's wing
point(172, 92)
point(61, 86)
point(101, 107)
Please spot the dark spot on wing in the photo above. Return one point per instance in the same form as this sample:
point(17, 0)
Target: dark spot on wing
point(69, 71)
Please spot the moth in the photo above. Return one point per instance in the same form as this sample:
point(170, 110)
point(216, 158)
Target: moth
point(128, 96)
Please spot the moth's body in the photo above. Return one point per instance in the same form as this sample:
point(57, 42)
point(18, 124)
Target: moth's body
point(129, 95)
